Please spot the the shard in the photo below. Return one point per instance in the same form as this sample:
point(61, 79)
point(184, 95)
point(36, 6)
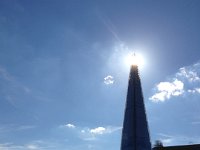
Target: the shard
point(135, 133)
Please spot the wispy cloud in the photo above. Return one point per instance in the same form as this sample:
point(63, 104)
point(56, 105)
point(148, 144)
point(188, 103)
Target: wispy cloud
point(12, 88)
point(90, 134)
point(12, 146)
point(109, 25)
point(185, 81)
point(109, 80)
point(70, 125)
point(12, 127)
point(177, 139)
point(25, 127)
point(5, 75)
point(190, 73)
point(196, 122)
point(45, 144)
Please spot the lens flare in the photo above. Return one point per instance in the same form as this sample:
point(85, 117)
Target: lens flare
point(134, 59)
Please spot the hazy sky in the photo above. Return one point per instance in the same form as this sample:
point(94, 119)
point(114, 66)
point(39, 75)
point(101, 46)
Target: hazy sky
point(63, 80)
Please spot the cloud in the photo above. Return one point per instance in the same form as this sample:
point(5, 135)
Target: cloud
point(5, 75)
point(13, 128)
point(31, 146)
point(13, 90)
point(165, 139)
point(196, 122)
point(195, 90)
point(165, 90)
point(109, 80)
point(189, 73)
point(109, 25)
point(48, 144)
point(185, 81)
point(177, 139)
point(25, 127)
point(91, 134)
point(98, 130)
point(70, 126)
point(104, 130)
point(12, 146)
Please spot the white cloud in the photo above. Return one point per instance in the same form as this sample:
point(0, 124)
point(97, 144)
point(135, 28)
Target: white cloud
point(189, 74)
point(70, 126)
point(98, 130)
point(82, 131)
point(185, 81)
point(166, 90)
point(104, 130)
point(159, 97)
point(195, 90)
point(91, 134)
point(109, 80)
point(191, 91)
point(31, 146)
point(166, 141)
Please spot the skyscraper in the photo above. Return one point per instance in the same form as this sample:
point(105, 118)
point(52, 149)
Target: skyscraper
point(135, 134)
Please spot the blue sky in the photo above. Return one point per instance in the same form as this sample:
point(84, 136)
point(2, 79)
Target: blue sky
point(63, 80)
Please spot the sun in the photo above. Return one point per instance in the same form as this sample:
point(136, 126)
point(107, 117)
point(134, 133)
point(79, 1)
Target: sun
point(134, 59)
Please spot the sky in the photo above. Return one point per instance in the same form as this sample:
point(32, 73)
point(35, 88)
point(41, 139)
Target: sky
point(63, 80)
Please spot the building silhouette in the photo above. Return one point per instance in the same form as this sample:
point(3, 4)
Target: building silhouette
point(179, 147)
point(135, 132)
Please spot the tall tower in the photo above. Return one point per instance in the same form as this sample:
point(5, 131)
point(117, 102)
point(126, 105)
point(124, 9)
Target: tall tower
point(135, 134)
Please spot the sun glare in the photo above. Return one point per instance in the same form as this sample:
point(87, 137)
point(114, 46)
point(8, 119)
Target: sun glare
point(134, 59)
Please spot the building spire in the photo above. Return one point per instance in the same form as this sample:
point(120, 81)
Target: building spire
point(135, 134)
point(133, 59)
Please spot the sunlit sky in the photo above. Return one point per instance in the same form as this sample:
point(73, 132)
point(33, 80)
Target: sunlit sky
point(63, 78)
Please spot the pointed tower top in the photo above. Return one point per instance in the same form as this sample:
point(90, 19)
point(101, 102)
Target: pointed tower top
point(134, 59)
point(135, 134)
